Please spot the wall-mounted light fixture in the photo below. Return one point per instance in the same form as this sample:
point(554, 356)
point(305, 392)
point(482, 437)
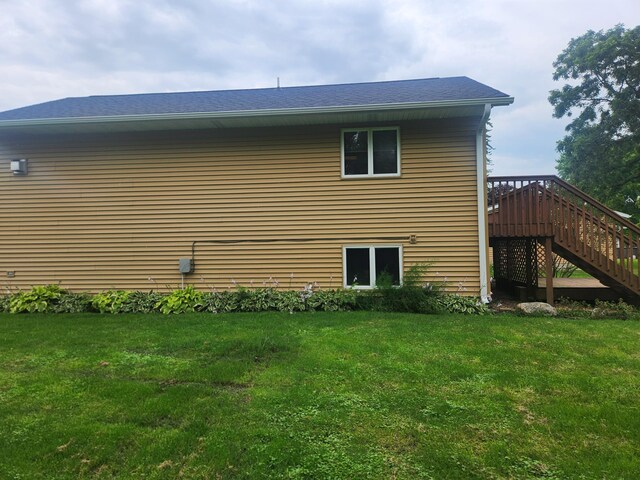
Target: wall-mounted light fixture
point(19, 166)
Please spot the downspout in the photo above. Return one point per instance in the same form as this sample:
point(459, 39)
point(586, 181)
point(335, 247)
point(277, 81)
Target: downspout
point(482, 205)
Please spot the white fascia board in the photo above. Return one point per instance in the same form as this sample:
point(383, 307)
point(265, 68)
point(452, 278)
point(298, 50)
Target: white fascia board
point(256, 113)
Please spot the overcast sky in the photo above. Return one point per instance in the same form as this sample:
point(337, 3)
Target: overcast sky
point(52, 49)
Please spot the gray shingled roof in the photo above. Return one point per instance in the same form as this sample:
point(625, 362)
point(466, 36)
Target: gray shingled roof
point(431, 90)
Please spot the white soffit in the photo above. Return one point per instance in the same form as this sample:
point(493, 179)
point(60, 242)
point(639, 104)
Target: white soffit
point(238, 120)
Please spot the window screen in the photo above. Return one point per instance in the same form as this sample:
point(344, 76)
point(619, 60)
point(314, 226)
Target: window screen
point(388, 261)
point(369, 152)
point(358, 270)
point(385, 151)
point(365, 265)
point(356, 156)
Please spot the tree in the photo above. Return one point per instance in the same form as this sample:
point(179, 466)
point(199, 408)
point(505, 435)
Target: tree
point(601, 152)
point(488, 146)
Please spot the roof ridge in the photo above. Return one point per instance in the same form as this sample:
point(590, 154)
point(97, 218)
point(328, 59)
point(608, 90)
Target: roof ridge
point(186, 92)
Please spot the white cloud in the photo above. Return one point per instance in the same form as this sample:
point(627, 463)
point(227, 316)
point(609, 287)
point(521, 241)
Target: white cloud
point(53, 49)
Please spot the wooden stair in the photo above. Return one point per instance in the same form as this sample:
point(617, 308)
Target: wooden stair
point(582, 230)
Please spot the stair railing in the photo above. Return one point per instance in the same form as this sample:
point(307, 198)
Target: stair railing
point(545, 206)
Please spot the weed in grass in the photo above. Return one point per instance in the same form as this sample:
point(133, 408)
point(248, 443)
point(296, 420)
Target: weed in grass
point(525, 467)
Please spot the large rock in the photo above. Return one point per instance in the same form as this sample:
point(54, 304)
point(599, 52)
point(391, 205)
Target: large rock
point(536, 308)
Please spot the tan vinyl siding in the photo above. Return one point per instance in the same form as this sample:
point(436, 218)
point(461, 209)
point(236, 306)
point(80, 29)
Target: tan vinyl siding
point(118, 210)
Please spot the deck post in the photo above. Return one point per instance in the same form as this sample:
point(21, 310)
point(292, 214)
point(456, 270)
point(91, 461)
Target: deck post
point(548, 268)
point(531, 282)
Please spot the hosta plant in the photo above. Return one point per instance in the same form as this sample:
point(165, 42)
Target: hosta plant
point(184, 300)
point(40, 298)
point(111, 301)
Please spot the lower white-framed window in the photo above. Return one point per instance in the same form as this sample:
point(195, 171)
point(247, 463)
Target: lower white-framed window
point(363, 265)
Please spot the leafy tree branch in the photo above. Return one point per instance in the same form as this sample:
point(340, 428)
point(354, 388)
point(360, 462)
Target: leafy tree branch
point(601, 151)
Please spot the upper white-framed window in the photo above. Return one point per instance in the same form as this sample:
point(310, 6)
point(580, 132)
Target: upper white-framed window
point(362, 265)
point(370, 152)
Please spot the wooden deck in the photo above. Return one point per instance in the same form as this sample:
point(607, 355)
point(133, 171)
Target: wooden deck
point(572, 283)
point(582, 289)
point(545, 210)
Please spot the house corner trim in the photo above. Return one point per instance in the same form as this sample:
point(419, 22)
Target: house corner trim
point(482, 205)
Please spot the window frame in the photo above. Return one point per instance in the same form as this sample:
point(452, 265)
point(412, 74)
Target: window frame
point(372, 264)
point(369, 173)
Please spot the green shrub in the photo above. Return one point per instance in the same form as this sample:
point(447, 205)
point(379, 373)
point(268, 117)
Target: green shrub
point(568, 308)
point(71, 302)
point(619, 310)
point(413, 296)
point(290, 301)
point(183, 300)
point(4, 303)
point(577, 309)
point(366, 300)
point(38, 299)
point(141, 302)
point(111, 301)
point(339, 300)
point(416, 296)
point(256, 300)
point(266, 299)
point(415, 275)
point(450, 303)
point(402, 299)
point(220, 302)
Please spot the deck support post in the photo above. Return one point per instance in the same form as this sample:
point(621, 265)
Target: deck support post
point(548, 267)
point(531, 282)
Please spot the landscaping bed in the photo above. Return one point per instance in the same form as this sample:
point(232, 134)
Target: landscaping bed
point(318, 395)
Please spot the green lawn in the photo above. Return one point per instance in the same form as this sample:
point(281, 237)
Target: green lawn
point(320, 395)
point(582, 274)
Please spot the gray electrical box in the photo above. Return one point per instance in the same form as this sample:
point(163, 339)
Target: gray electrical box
point(19, 166)
point(186, 265)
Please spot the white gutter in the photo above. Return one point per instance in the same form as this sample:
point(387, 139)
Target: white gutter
point(482, 205)
point(255, 113)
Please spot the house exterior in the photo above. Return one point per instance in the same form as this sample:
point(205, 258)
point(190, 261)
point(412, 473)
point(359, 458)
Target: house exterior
point(332, 184)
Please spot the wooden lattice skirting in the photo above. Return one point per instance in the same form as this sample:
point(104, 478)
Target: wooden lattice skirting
point(515, 263)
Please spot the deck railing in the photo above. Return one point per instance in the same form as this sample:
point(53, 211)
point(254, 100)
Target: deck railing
point(547, 206)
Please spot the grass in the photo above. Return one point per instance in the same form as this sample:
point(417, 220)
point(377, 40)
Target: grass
point(579, 273)
point(335, 395)
point(582, 274)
